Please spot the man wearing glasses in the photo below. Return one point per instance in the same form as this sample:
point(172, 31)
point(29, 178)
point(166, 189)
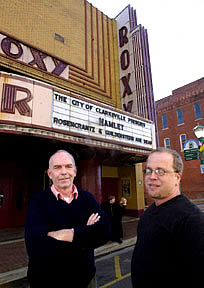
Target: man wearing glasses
point(169, 251)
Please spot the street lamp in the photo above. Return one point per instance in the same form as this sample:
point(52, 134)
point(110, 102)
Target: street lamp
point(199, 133)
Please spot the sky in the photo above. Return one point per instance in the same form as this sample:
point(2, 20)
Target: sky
point(176, 38)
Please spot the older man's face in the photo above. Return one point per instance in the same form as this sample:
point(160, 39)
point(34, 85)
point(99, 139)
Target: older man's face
point(62, 171)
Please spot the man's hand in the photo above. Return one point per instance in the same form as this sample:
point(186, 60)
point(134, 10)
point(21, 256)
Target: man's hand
point(68, 234)
point(93, 219)
point(63, 235)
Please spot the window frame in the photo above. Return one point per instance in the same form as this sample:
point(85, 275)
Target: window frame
point(167, 146)
point(179, 117)
point(181, 142)
point(163, 122)
point(195, 111)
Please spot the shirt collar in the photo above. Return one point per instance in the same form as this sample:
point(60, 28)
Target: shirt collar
point(74, 194)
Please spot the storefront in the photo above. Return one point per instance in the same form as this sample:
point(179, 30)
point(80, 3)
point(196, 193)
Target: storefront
point(38, 119)
point(67, 95)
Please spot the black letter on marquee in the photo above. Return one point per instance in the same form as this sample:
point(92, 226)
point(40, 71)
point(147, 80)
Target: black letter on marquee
point(128, 108)
point(123, 39)
point(125, 80)
point(125, 59)
point(6, 47)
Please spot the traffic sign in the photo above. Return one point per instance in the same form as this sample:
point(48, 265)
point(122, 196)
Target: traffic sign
point(191, 154)
point(202, 169)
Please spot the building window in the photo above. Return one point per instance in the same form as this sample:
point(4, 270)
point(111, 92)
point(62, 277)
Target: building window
point(166, 142)
point(180, 116)
point(164, 121)
point(182, 141)
point(197, 111)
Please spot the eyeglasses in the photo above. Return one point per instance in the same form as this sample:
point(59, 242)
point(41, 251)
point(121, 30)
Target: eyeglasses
point(158, 171)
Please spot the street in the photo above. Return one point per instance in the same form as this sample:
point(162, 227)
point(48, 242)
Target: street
point(113, 270)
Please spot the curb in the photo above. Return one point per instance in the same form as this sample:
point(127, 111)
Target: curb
point(13, 275)
point(108, 248)
point(103, 250)
point(11, 241)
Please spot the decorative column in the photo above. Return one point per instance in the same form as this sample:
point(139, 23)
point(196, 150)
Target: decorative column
point(89, 177)
point(139, 189)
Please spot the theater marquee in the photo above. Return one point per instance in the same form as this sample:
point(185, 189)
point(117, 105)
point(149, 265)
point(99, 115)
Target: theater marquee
point(90, 119)
point(35, 108)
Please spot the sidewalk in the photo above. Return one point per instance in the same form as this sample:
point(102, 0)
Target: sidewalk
point(13, 264)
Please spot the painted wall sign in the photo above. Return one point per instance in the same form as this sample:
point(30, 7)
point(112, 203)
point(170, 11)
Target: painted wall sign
point(34, 58)
point(87, 118)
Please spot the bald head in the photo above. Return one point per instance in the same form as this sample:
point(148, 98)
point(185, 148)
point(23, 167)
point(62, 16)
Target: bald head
point(61, 151)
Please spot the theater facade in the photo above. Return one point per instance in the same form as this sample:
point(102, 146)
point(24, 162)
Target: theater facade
point(71, 78)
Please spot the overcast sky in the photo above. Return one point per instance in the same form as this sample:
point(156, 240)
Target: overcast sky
point(176, 38)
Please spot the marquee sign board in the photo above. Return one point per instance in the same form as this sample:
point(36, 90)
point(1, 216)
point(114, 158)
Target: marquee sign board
point(90, 119)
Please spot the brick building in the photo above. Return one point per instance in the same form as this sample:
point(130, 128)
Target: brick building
point(177, 115)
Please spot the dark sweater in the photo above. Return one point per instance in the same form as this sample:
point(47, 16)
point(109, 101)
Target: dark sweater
point(114, 212)
point(169, 251)
point(53, 262)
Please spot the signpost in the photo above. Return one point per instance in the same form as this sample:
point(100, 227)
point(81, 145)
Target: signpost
point(191, 154)
point(191, 150)
point(202, 168)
